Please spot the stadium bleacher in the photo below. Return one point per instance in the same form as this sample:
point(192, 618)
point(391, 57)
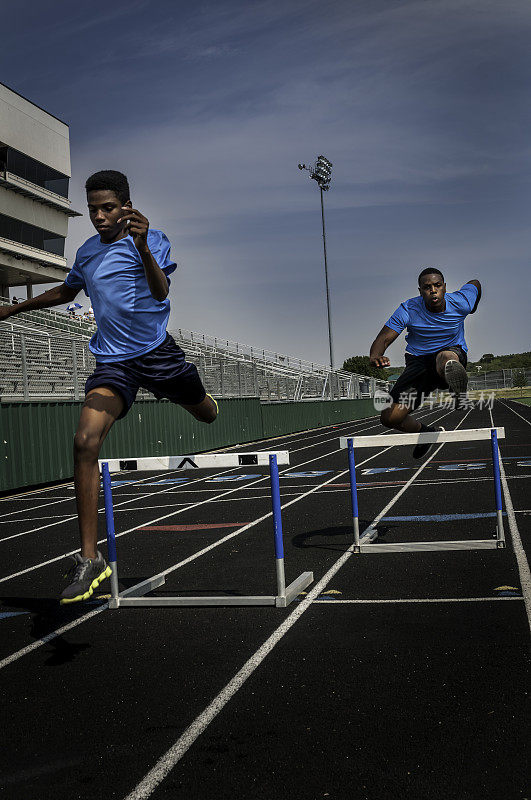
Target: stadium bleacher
point(45, 354)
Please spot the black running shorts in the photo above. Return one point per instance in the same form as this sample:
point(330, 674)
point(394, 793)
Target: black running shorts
point(420, 376)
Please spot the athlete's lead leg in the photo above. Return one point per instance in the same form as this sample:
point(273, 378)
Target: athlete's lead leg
point(450, 368)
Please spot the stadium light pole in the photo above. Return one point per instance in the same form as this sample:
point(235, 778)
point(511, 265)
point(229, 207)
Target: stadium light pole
point(321, 172)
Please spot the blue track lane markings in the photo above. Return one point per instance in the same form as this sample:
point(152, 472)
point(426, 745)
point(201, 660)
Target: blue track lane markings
point(441, 517)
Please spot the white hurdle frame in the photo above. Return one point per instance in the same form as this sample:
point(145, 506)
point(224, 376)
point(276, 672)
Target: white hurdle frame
point(366, 544)
point(136, 595)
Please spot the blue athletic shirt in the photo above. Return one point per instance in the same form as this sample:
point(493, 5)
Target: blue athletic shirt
point(428, 332)
point(130, 321)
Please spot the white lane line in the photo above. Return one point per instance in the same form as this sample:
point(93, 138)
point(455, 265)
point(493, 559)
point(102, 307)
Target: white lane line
point(139, 481)
point(82, 619)
point(169, 760)
point(54, 634)
point(50, 636)
point(410, 481)
point(518, 548)
point(28, 495)
point(517, 414)
point(153, 521)
point(332, 602)
point(158, 519)
point(70, 518)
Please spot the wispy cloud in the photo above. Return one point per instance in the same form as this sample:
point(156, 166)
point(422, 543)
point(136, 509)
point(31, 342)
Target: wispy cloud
point(421, 106)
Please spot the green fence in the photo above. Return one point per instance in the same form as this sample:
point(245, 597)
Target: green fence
point(279, 418)
point(36, 437)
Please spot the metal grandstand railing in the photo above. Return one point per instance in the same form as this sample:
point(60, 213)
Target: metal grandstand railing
point(39, 359)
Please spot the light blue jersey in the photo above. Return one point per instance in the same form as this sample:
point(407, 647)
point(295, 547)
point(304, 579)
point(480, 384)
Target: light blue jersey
point(130, 321)
point(428, 332)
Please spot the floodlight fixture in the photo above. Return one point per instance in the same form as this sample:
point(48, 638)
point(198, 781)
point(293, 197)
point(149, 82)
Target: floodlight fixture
point(321, 173)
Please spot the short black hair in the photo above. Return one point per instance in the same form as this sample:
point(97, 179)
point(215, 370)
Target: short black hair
point(109, 179)
point(430, 271)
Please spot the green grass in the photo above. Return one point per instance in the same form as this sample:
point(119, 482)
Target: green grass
point(525, 400)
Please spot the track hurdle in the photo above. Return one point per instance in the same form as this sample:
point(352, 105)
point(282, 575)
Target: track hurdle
point(366, 544)
point(136, 595)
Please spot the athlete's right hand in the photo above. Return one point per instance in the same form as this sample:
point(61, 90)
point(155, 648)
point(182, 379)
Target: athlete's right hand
point(381, 361)
point(5, 312)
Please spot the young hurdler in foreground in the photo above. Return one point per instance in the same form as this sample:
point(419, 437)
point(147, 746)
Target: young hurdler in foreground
point(124, 270)
point(435, 353)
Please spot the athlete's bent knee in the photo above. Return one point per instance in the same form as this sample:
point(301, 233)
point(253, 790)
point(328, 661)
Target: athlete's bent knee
point(86, 445)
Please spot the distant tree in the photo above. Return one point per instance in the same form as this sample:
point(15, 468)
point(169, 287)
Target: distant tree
point(487, 358)
point(362, 366)
point(519, 379)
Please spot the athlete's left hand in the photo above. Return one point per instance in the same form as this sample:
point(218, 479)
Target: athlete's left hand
point(137, 226)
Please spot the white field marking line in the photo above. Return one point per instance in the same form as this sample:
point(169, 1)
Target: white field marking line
point(302, 434)
point(244, 528)
point(180, 511)
point(410, 481)
point(69, 518)
point(147, 495)
point(421, 600)
point(335, 429)
point(336, 432)
point(518, 548)
point(132, 483)
point(517, 414)
point(28, 494)
point(50, 636)
point(34, 491)
point(363, 487)
point(139, 481)
point(82, 619)
point(168, 761)
point(158, 519)
point(33, 519)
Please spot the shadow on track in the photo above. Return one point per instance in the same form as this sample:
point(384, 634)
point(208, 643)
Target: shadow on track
point(47, 617)
point(337, 538)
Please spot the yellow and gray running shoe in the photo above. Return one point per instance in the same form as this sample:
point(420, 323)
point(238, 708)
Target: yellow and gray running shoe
point(85, 575)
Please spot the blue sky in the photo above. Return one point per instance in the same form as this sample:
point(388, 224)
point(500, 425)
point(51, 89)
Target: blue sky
point(421, 105)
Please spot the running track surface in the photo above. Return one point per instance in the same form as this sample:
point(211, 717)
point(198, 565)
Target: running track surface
point(397, 675)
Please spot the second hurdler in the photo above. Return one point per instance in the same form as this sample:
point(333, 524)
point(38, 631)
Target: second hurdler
point(435, 353)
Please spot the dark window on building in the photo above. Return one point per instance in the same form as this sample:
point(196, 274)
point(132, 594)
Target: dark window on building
point(23, 233)
point(33, 171)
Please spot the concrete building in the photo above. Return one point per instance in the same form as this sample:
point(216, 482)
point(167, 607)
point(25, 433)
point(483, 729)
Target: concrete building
point(34, 204)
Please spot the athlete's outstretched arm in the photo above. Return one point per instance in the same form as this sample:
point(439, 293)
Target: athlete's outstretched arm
point(477, 284)
point(386, 336)
point(53, 297)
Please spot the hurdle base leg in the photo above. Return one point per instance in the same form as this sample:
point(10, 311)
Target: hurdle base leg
point(159, 602)
point(369, 535)
point(294, 589)
point(137, 591)
point(410, 547)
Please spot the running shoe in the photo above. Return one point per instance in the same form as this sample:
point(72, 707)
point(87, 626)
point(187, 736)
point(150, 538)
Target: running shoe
point(456, 377)
point(85, 575)
point(423, 449)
